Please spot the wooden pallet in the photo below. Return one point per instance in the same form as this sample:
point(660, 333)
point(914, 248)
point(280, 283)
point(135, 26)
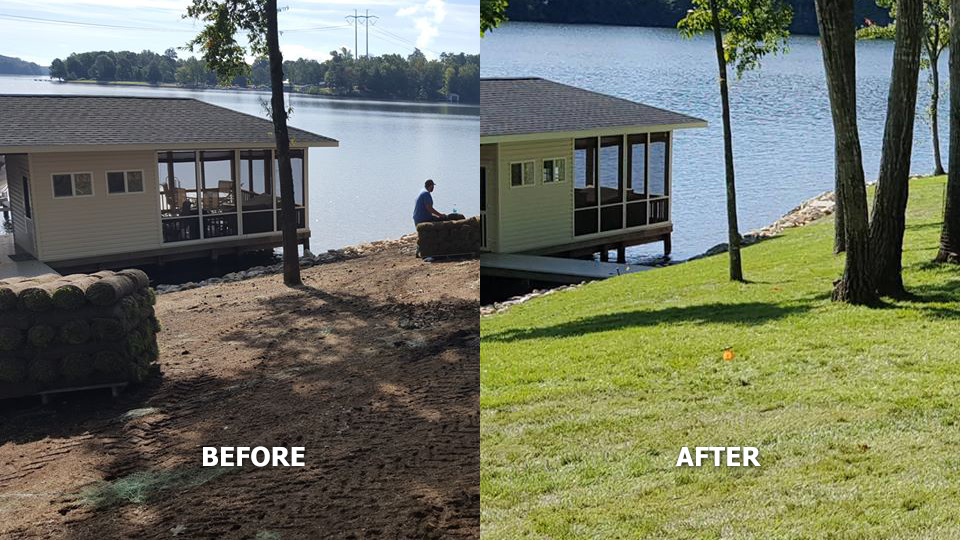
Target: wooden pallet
point(114, 387)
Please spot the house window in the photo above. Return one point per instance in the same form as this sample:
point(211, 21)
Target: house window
point(124, 182)
point(26, 199)
point(521, 174)
point(72, 185)
point(554, 170)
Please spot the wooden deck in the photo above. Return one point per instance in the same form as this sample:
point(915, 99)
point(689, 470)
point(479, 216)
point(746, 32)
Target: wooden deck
point(552, 269)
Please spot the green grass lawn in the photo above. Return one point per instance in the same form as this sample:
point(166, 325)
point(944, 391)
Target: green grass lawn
point(587, 397)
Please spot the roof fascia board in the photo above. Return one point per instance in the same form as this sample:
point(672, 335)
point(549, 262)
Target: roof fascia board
point(599, 132)
point(41, 149)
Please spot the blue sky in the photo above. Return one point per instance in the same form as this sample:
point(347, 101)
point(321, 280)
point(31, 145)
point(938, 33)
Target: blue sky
point(313, 27)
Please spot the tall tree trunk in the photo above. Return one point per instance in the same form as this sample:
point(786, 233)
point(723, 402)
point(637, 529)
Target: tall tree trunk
point(288, 216)
point(733, 233)
point(837, 35)
point(934, 56)
point(890, 198)
point(950, 234)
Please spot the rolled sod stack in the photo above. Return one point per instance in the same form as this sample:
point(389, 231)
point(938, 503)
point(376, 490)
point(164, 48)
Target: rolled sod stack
point(76, 330)
point(455, 237)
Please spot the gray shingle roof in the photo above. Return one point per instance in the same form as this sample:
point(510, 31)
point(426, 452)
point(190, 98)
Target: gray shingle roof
point(62, 120)
point(529, 105)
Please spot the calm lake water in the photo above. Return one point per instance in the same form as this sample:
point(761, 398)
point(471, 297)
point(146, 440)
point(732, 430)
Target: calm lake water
point(782, 130)
point(364, 190)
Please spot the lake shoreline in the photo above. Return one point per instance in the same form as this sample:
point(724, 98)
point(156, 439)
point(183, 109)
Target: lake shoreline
point(807, 212)
point(169, 86)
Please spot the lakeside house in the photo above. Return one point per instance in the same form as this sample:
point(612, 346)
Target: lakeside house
point(569, 172)
point(99, 182)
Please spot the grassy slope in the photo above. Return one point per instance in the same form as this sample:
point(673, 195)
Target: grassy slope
point(587, 397)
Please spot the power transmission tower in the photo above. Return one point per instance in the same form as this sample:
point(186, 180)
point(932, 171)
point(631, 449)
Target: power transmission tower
point(356, 19)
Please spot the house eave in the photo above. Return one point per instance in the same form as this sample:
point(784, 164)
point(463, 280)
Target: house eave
point(593, 132)
point(42, 149)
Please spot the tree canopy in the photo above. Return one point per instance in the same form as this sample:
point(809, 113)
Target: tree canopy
point(390, 76)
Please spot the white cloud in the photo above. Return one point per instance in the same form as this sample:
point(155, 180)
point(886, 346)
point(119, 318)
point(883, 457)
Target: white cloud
point(427, 18)
point(292, 51)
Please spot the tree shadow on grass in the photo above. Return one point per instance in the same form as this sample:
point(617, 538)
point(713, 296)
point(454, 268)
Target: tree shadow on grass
point(748, 313)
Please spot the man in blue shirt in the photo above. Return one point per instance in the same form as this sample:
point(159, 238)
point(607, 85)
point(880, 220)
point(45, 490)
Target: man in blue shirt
point(424, 210)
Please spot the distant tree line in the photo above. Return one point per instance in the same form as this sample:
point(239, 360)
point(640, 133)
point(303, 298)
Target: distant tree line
point(15, 66)
point(388, 76)
point(662, 13)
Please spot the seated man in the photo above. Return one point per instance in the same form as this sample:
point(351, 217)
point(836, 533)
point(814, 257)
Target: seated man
point(424, 211)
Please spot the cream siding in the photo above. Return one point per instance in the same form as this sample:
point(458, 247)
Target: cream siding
point(540, 215)
point(75, 227)
point(18, 167)
point(488, 160)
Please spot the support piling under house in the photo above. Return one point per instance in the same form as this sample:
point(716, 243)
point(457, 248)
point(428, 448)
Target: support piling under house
point(100, 181)
point(569, 172)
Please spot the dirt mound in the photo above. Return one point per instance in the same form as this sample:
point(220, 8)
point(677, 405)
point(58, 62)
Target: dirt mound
point(373, 366)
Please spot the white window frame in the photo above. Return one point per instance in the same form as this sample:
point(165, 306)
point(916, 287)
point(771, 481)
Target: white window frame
point(73, 185)
point(555, 180)
point(523, 178)
point(126, 182)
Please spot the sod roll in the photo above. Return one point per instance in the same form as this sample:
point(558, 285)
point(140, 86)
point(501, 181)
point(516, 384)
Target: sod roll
point(76, 330)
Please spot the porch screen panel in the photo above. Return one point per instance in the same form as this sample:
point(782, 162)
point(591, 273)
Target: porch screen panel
point(296, 167)
point(585, 188)
point(637, 167)
point(636, 211)
point(179, 196)
point(611, 177)
point(658, 174)
point(219, 194)
point(658, 165)
point(585, 170)
point(256, 191)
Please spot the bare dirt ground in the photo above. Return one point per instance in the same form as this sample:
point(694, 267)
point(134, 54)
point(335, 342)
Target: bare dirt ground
point(373, 366)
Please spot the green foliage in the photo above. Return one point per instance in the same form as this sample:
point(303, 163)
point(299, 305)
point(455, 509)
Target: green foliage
point(103, 68)
point(661, 13)
point(217, 40)
point(587, 396)
point(58, 70)
point(751, 28)
point(492, 13)
point(877, 32)
point(390, 76)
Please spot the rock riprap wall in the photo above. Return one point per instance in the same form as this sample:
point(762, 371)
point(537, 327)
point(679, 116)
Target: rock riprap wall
point(76, 330)
point(455, 237)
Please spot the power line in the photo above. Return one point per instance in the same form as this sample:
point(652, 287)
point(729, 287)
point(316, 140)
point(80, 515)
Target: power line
point(147, 28)
point(356, 19)
point(316, 28)
point(386, 34)
point(86, 24)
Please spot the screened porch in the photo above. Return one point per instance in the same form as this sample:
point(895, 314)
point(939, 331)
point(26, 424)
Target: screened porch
point(621, 182)
point(216, 194)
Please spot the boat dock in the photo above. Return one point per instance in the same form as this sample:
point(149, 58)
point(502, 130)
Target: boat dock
point(551, 269)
